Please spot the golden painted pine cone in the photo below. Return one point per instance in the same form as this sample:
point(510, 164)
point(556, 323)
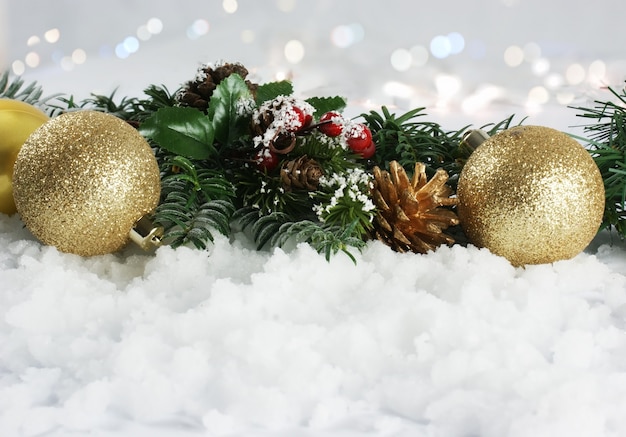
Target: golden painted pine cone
point(303, 173)
point(411, 213)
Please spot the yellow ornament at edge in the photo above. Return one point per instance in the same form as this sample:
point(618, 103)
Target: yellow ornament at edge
point(17, 121)
point(531, 194)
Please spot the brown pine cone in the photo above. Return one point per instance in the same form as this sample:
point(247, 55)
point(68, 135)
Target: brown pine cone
point(303, 173)
point(197, 93)
point(410, 216)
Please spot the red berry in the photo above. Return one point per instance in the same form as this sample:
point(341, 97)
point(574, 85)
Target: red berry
point(308, 119)
point(295, 119)
point(266, 160)
point(369, 151)
point(331, 124)
point(358, 137)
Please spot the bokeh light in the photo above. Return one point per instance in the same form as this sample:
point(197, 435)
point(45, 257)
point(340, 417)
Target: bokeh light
point(286, 5)
point(513, 56)
point(230, 6)
point(538, 96)
point(79, 56)
point(18, 67)
point(440, 47)
point(294, 51)
point(52, 35)
point(154, 26)
point(198, 28)
point(346, 35)
point(401, 59)
point(33, 40)
point(32, 59)
point(575, 74)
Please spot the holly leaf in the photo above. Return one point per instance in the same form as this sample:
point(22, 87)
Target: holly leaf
point(229, 123)
point(271, 90)
point(182, 131)
point(323, 105)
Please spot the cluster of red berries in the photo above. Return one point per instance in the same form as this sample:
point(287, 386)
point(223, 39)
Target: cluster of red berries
point(358, 136)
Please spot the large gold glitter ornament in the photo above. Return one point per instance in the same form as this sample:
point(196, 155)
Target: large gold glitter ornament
point(17, 121)
point(531, 194)
point(82, 180)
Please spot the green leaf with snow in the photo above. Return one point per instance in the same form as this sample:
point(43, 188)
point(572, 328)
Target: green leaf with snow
point(229, 122)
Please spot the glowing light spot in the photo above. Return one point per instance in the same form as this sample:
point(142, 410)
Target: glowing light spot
point(32, 59)
point(401, 59)
point(532, 52)
point(33, 40)
point(286, 5)
point(554, 80)
point(281, 75)
point(447, 85)
point(440, 47)
point(397, 89)
point(294, 51)
point(575, 74)
point(131, 44)
point(154, 26)
point(52, 35)
point(513, 56)
point(597, 72)
point(346, 35)
point(198, 28)
point(538, 96)
point(143, 33)
point(18, 67)
point(419, 54)
point(79, 56)
point(247, 36)
point(457, 42)
point(541, 66)
point(230, 6)
point(121, 52)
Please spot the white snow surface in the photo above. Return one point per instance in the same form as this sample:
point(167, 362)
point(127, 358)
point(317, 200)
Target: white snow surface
point(235, 342)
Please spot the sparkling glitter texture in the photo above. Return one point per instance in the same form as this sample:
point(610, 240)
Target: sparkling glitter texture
point(531, 194)
point(82, 180)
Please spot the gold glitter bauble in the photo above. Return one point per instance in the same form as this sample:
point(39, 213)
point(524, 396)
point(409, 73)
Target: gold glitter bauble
point(531, 194)
point(17, 121)
point(82, 180)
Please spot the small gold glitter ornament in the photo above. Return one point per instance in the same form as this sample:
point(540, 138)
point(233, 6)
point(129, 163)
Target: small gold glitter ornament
point(17, 121)
point(82, 180)
point(531, 194)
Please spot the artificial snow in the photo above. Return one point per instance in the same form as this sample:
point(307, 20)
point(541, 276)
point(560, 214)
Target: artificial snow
point(235, 342)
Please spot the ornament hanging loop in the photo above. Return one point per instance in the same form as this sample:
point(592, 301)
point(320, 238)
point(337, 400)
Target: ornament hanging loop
point(145, 234)
point(474, 138)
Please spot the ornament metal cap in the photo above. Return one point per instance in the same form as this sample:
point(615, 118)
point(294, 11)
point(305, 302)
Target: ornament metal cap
point(474, 138)
point(145, 234)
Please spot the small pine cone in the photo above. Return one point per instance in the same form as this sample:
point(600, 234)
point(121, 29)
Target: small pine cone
point(303, 173)
point(410, 217)
point(197, 93)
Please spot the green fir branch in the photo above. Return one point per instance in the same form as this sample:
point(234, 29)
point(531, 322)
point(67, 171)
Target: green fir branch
point(194, 203)
point(607, 144)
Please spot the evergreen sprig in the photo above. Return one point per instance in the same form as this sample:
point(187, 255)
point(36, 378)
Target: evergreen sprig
point(409, 139)
point(194, 203)
point(607, 144)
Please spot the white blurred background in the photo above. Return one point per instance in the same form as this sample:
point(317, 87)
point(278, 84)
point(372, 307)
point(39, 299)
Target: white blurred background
point(467, 62)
